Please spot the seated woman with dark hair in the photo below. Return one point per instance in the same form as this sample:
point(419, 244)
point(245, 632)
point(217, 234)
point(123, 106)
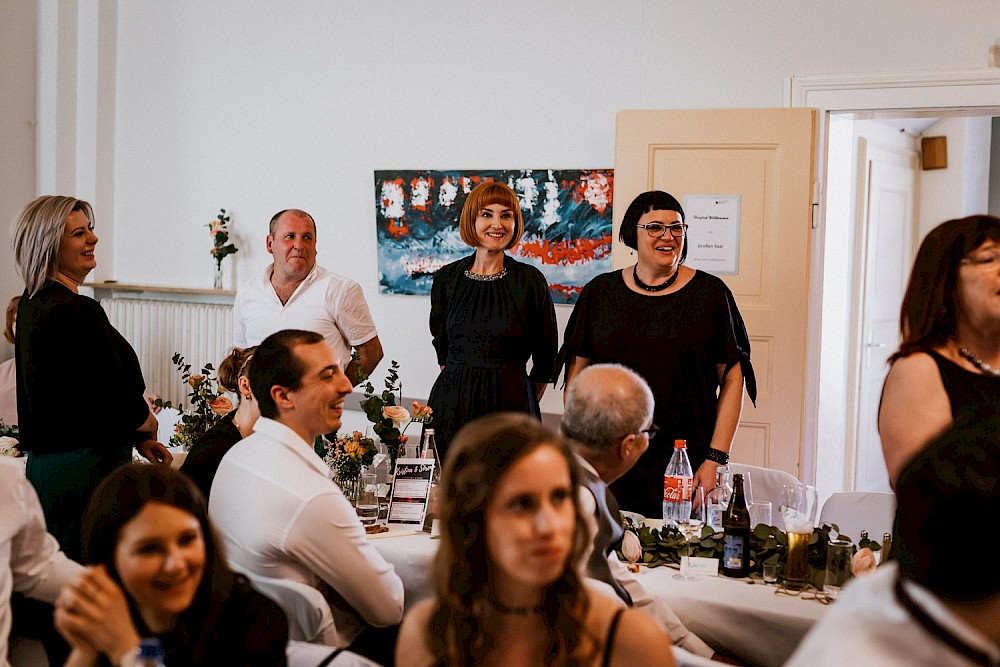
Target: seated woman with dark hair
point(207, 452)
point(508, 588)
point(158, 571)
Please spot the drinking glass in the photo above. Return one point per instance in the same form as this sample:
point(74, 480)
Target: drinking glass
point(760, 512)
point(367, 505)
point(798, 509)
point(838, 565)
point(691, 527)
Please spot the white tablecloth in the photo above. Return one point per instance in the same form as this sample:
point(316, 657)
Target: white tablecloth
point(746, 621)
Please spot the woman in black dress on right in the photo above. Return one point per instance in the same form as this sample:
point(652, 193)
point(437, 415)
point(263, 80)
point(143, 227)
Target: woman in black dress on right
point(681, 330)
point(489, 314)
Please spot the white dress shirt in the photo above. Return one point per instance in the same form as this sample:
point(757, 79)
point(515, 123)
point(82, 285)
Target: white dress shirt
point(30, 560)
point(867, 625)
point(331, 305)
point(281, 516)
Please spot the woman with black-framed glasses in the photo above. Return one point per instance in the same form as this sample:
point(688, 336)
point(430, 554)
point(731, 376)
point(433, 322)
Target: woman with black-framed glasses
point(681, 330)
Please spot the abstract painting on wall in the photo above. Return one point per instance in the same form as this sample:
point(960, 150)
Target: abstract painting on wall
point(567, 224)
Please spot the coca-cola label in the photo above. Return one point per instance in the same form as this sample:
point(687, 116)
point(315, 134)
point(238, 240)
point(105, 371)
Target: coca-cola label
point(677, 489)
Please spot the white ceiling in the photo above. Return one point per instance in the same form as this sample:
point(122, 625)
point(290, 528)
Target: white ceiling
point(912, 126)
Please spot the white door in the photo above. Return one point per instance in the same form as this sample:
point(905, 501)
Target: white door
point(766, 157)
point(888, 227)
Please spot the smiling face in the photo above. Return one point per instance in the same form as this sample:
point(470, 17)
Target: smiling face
point(317, 405)
point(659, 253)
point(530, 521)
point(160, 558)
point(293, 245)
point(75, 256)
point(977, 292)
point(495, 227)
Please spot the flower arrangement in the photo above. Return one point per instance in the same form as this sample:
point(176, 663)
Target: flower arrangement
point(654, 547)
point(209, 403)
point(9, 439)
point(390, 419)
point(348, 455)
point(221, 245)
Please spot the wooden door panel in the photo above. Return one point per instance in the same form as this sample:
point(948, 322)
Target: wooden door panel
point(766, 157)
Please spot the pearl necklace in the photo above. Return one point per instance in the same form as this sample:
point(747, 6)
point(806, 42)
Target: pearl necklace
point(654, 288)
point(979, 363)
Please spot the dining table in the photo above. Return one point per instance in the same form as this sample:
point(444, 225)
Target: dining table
point(746, 620)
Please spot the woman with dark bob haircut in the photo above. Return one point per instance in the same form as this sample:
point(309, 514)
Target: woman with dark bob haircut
point(506, 576)
point(678, 328)
point(157, 570)
point(490, 314)
point(948, 359)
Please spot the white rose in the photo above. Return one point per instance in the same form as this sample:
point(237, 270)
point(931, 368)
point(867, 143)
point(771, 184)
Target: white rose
point(8, 446)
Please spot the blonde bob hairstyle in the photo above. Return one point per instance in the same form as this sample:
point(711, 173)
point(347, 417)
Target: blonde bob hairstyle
point(37, 234)
point(483, 195)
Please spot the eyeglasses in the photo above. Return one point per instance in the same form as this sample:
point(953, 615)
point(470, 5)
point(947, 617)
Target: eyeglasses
point(657, 230)
point(982, 259)
point(651, 431)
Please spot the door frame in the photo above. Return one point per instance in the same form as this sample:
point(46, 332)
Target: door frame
point(938, 93)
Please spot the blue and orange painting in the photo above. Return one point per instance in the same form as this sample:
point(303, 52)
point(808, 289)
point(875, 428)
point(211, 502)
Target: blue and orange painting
point(567, 224)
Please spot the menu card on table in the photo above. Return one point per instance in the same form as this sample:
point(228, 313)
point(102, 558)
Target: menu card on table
point(410, 493)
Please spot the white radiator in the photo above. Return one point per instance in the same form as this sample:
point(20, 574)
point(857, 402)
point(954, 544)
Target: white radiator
point(201, 333)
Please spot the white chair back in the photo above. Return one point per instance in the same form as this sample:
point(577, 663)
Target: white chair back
point(765, 484)
point(308, 612)
point(304, 654)
point(854, 511)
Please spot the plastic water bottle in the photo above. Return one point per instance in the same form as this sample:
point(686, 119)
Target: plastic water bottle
point(678, 481)
point(718, 498)
point(150, 653)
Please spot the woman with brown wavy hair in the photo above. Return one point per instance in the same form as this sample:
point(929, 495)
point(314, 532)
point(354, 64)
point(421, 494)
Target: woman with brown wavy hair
point(508, 589)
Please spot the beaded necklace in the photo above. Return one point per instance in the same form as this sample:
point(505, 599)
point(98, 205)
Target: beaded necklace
point(979, 363)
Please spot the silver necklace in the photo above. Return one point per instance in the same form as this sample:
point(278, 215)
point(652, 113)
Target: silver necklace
point(979, 363)
point(485, 279)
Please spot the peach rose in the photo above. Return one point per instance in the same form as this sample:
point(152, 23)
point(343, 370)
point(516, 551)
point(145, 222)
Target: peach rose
point(863, 562)
point(196, 380)
point(631, 548)
point(221, 406)
point(8, 446)
point(397, 413)
point(358, 435)
point(350, 447)
point(421, 411)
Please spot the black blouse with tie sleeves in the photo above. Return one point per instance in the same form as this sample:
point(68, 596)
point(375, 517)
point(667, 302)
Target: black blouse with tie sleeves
point(674, 341)
point(484, 333)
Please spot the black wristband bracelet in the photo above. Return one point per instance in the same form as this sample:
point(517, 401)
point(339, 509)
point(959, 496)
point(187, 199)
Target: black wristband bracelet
point(717, 456)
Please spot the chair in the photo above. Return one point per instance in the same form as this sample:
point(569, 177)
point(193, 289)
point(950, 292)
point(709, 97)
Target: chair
point(765, 484)
point(308, 612)
point(854, 511)
point(304, 654)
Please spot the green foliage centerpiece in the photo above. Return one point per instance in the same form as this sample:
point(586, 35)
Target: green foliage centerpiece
point(384, 410)
point(209, 403)
point(767, 543)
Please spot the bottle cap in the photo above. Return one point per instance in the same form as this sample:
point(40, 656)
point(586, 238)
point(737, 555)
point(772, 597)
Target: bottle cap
point(150, 647)
point(680, 444)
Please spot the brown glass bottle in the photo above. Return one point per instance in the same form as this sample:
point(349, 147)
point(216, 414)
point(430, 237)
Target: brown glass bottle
point(736, 533)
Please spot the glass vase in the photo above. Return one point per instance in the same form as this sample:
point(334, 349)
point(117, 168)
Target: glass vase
point(349, 486)
point(218, 276)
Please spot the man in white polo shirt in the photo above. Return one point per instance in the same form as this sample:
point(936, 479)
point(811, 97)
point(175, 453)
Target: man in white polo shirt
point(279, 513)
point(296, 293)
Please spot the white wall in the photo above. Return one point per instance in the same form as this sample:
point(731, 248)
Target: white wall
point(257, 106)
point(961, 188)
point(17, 135)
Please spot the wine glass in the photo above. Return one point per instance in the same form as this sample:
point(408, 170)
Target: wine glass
point(690, 527)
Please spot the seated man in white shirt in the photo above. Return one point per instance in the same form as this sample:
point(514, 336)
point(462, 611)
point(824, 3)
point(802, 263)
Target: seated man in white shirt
point(939, 604)
point(279, 513)
point(296, 293)
point(609, 419)
point(31, 562)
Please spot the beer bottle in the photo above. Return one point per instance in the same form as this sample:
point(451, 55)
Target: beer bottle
point(736, 533)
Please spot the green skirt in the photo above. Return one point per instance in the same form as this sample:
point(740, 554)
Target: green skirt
point(65, 482)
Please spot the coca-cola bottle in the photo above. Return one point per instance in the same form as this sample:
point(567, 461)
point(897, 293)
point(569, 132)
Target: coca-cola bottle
point(678, 480)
